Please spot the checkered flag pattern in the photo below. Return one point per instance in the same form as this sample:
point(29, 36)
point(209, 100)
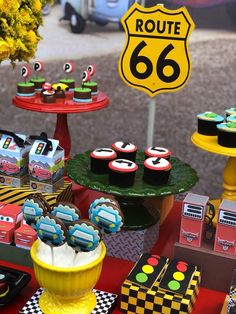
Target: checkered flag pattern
point(232, 300)
point(105, 303)
point(138, 300)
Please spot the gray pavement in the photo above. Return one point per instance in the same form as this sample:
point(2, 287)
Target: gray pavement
point(211, 87)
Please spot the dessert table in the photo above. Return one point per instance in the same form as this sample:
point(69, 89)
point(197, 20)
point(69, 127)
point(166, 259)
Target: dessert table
point(62, 107)
point(116, 270)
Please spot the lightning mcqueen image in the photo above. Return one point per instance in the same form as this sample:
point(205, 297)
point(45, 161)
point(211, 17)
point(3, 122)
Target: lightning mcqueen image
point(37, 171)
point(8, 167)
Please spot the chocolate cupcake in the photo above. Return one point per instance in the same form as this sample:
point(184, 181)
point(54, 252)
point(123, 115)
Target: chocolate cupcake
point(100, 158)
point(91, 85)
point(25, 89)
point(38, 82)
point(122, 172)
point(207, 123)
point(69, 82)
point(156, 171)
point(125, 150)
point(82, 95)
point(49, 96)
point(227, 134)
point(158, 152)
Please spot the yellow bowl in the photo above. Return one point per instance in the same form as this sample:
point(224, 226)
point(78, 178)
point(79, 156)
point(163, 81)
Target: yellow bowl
point(68, 284)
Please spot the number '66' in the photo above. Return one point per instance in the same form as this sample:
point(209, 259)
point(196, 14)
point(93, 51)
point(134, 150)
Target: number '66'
point(162, 62)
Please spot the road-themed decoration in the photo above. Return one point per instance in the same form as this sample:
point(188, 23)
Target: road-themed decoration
point(156, 57)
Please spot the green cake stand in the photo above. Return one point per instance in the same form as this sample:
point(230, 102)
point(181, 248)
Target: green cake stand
point(132, 200)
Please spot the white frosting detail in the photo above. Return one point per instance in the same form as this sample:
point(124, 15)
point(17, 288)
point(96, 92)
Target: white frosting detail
point(128, 147)
point(107, 153)
point(64, 256)
point(155, 150)
point(161, 163)
point(123, 164)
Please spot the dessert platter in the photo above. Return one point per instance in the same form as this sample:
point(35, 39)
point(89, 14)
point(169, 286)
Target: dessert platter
point(131, 199)
point(61, 98)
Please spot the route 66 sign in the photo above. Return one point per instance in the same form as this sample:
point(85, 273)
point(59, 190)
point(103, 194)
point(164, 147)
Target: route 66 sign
point(156, 57)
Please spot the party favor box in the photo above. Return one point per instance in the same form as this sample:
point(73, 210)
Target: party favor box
point(46, 165)
point(14, 153)
point(159, 286)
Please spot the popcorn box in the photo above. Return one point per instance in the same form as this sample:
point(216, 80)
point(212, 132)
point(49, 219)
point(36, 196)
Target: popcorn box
point(46, 165)
point(14, 156)
point(151, 287)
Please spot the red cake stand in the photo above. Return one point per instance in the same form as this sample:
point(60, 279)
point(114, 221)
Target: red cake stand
point(62, 107)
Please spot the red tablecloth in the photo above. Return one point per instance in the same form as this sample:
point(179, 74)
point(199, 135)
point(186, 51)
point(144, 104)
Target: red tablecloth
point(115, 271)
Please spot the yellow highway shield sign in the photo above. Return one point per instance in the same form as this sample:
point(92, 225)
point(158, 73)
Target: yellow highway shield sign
point(156, 57)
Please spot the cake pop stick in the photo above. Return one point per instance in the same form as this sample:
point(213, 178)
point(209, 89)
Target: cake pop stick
point(107, 216)
point(83, 236)
point(25, 72)
point(51, 231)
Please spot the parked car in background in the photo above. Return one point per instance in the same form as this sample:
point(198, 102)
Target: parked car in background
point(230, 5)
point(102, 12)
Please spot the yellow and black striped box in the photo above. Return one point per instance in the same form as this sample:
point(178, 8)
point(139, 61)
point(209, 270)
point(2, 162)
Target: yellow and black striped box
point(138, 300)
point(12, 195)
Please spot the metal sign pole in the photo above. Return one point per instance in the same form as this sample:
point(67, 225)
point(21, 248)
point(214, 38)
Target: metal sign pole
point(151, 121)
point(151, 115)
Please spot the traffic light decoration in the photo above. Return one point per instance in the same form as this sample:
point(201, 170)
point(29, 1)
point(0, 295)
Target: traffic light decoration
point(136, 298)
point(147, 270)
point(7, 142)
point(39, 148)
point(177, 277)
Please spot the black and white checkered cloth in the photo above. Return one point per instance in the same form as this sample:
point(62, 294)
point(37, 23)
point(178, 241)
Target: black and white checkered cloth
point(105, 303)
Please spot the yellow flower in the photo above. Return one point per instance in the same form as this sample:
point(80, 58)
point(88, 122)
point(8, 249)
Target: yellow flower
point(36, 6)
point(4, 50)
point(19, 23)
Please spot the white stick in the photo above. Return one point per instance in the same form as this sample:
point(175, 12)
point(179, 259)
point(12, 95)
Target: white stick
point(151, 121)
point(52, 255)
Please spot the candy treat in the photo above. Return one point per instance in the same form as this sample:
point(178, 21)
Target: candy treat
point(66, 212)
point(49, 96)
point(156, 171)
point(89, 84)
point(82, 94)
point(160, 152)
point(51, 230)
point(227, 134)
point(125, 150)
point(68, 67)
point(230, 111)
point(100, 158)
point(38, 80)
point(122, 172)
point(102, 200)
point(108, 217)
point(207, 123)
point(83, 236)
point(33, 208)
point(25, 89)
